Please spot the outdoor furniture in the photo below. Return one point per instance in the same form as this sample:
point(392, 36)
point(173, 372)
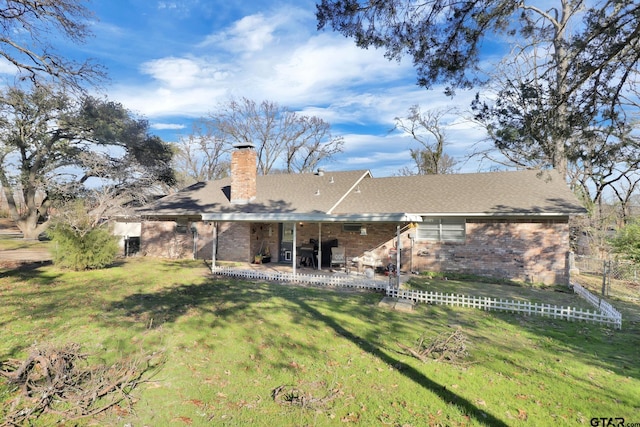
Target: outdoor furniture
point(368, 259)
point(338, 256)
point(307, 255)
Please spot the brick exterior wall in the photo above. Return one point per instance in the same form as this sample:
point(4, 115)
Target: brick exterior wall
point(162, 239)
point(531, 251)
point(233, 242)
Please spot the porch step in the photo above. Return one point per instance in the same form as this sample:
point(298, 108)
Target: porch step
point(397, 304)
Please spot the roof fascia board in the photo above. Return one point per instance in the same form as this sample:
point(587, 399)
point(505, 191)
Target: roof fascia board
point(292, 217)
point(497, 214)
point(367, 173)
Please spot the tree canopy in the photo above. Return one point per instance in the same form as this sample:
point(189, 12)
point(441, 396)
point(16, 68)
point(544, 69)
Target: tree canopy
point(53, 144)
point(28, 29)
point(566, 94)
point(285, 141)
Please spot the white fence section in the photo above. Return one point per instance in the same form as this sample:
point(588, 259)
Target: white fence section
point(315, 279)
point(606, 314)
point(524, 307)
point(602, 305)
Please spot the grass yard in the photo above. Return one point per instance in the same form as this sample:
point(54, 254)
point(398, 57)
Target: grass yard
point(244, 353)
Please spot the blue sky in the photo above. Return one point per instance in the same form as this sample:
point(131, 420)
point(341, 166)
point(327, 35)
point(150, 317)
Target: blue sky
point(175, 61)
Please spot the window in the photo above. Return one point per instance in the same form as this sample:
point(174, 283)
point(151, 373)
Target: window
point(181, 226)
point(287, 231)
point(351, 227)
point(441, 229)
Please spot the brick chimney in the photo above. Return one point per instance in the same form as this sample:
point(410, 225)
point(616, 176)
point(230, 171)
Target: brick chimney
point(243, 173)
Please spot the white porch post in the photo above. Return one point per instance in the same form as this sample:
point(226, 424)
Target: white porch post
point(293, 251)
point(319, 246)
point(398, 248)
point(214, 244)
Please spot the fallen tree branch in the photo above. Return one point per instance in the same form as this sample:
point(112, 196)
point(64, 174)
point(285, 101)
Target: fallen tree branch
point(59, 381)
point(448, 347)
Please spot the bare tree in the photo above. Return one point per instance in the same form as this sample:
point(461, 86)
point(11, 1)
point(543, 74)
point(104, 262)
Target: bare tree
point(27, 28)
point(201, 155)
point(428, 130)
point(283, 139)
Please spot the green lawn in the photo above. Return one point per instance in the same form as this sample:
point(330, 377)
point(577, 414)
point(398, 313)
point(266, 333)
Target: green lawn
point(334, 355)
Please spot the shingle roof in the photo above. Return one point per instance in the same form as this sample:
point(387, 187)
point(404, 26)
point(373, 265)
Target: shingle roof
point(280, 193)
point(526, 192)
point(357, 193)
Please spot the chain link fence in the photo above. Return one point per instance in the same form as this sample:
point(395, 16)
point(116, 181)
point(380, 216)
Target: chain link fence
point(620, 279)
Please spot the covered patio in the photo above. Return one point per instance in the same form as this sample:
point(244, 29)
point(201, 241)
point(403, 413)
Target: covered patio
point(300, 248)
point(279, 272)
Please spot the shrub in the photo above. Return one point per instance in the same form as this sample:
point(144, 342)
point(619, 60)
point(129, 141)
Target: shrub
point(83, 250)
point(627, 242)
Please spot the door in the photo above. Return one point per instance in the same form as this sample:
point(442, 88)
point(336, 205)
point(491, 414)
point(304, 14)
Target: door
point(286, 242)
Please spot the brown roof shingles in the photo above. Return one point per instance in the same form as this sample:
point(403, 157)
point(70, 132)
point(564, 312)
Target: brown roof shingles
point(491, 193)
point(357, 192)
point(278, 193)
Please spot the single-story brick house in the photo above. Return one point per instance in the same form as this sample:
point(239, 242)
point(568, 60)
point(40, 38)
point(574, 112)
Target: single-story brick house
point(499, 224)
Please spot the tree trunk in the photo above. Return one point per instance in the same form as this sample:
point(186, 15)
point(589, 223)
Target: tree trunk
point(31, 229)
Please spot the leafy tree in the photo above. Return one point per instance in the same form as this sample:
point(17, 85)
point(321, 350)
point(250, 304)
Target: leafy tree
point(627, 242)
point(27, 28)
point(283, 138)
point(79, 242)
point(54, 146)
point(428, 130)
point(585, 72)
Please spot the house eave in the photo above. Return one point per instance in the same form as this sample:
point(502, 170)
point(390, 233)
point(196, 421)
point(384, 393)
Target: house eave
point(501, 214)
point(310, 217)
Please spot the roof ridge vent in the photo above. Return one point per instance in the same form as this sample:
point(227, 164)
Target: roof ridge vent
point(320, 172)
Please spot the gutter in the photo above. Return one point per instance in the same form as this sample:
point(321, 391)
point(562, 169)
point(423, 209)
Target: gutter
point(311, 217)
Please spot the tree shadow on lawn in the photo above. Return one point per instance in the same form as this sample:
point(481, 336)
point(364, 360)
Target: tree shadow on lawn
point(596, 344)
point(226, 299)
point(414, 375)
point(217, 303)
point(30, 271)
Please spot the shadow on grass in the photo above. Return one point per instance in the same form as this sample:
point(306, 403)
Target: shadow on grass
point(30, 271)
point(229, 300)
point(414, 375)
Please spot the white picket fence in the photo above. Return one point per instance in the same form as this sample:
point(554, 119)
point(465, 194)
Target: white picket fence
point(524, 307)
point(315, 279)
point(606, 314)
point(603, 306)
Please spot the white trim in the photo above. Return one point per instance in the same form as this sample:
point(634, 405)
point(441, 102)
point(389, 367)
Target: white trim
point(308, 217)
point(355, 185)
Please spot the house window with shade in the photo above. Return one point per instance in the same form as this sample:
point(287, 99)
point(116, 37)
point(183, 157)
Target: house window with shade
point(441, 230)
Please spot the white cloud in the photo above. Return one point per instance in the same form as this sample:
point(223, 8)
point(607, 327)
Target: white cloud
point(278, 56)
point(7, 67)
point(249, 34)
point(166, 126)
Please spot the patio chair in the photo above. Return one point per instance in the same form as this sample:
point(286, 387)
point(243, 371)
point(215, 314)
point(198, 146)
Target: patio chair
point(338, 256)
